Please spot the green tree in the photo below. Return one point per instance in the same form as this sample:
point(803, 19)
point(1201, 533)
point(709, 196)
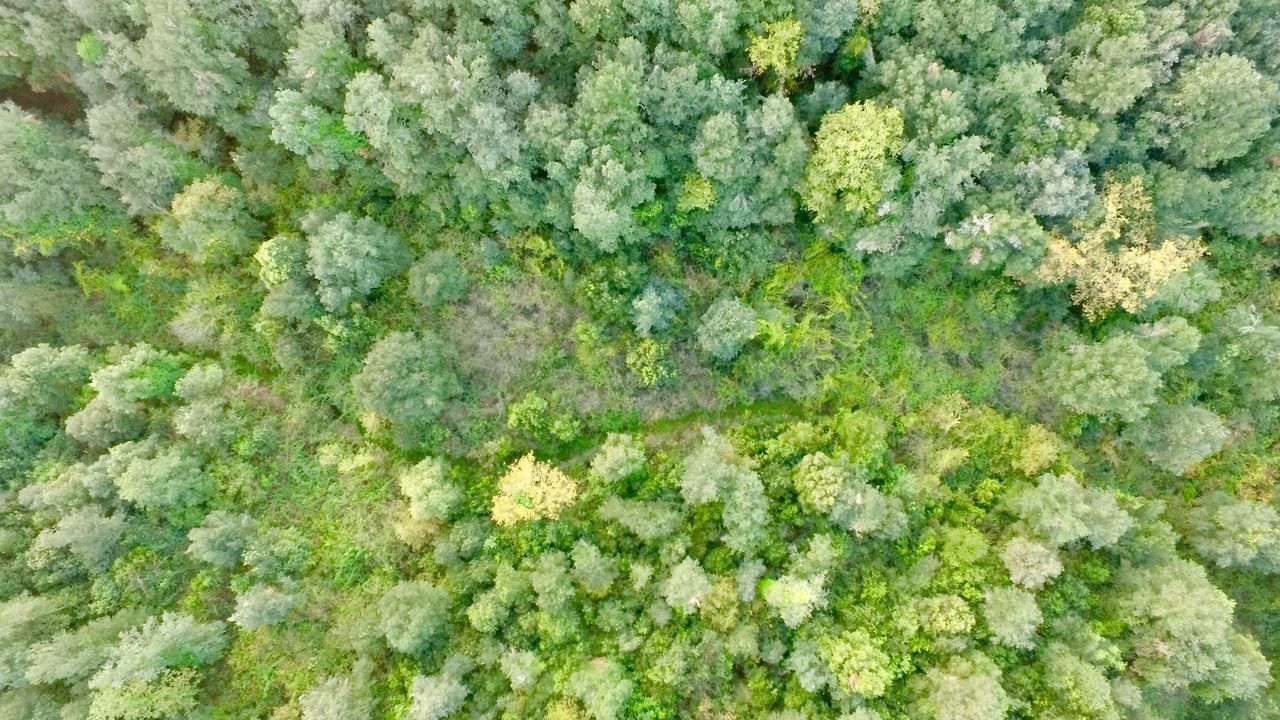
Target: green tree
point(686, 587)
point(262, 605)
point(1063, 511)
point(221, 538)
point(1182, 631)
point(857, 662)
point(433, 697)
point(412, 614)
point(961, 688)
point(1214, 110)
point(620, 457)
point(144, 653)
point(339, 697)
point(437, 278)
point(432, 495)
point(603, 688)
point(171, 478)
point(407, 379)
point(1012, 616)
point(1234, 532)
point(51, 189)
point(1110, 379)
point(726, 327)
point(1177, 437)
point(209, 219)
point(349, 258)
point(1030, 564)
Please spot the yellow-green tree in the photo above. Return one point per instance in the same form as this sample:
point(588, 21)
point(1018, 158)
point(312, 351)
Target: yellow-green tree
point(846, 170)
point(530, 490)
point(777, 49)
point(1120, 263)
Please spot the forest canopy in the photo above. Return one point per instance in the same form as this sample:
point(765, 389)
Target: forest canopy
point(639, 360)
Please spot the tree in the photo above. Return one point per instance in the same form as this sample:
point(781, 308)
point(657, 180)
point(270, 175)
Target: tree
point(1214, 110)
point(1119, 263)
point(1251, 208)
point(407, 379)
point(1080, 689)
point(88, 534)
point(603, 688)
point(412, 614)
point(209, 219)
point(277, 552)
point(25, 619)
point(388, 123)
point(136, 158)
point(144, 653)
point(51, 189)
point(794, 598)
point(707, 470)
point(1177, 437)
point(854, 147)
point(433, 697)
point(1012, 616)
point(726, 326)
point(137, 375)
point(1234, 532)
point(522, 668)
point(647, 520)
point(436, 279)
point(43, 380)
point(686, 587)
point(621, 456)
point(1029, 563)
point(281, 259)
point(339, 697)
point(262, 605)
point(320, 61)
point(207, 418)
point(313, 132)
point(73, 655)
point(863, 509)
point(349, 258)
point(1168, 342)
point(964, 687)
point(1182, 630)
point(1243, 347)
point(1055, 186)
point(530, 490)
point(1008, 239)
point(432, 496)
point(945, 615)
point(171, 478)
point(857, 662)
point(655, 307)
point(1114, 54)
point(221, 538)
point(1062, 511)
point(934, 99)
point(941, 178)
point(188, 54)
point(777, 49)
point(593, 570)
point(1110, 379)
point(605, 200)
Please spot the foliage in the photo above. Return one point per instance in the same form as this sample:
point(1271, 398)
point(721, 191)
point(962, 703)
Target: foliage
point(880, 360)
